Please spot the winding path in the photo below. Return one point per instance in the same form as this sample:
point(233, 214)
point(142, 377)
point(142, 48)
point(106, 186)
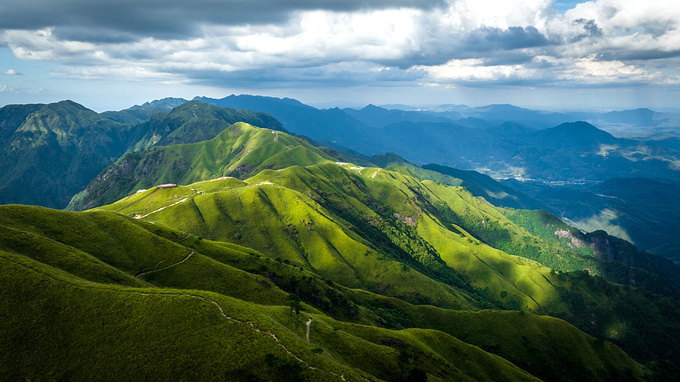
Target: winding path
point(162, 208)
point(169, 266)
point(253, 327)
point(205, 299)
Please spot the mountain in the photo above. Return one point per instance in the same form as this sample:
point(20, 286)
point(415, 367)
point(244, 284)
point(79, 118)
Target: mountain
point(500, 142)
point(261, 215)
point(484, 186)
point(219, 310)
point(134, 116)
point(165, 103)
point(11, 118)
point(192, 122)
point(140, 113)
point(641, 210)
point(477, 184)
point(633, 123)
point(569, 153)
point(510, 113)
point(575, 136)
point(333, 125)
point(52, 151)
point(239, 150)
point(552, 153)
point(323, 216)
point(372, 115)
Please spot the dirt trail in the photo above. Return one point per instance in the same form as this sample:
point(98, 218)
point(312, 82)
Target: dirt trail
point(139, 200)
point(162, 208)
point(205, 299)
point(256, 329)
point(169, 266)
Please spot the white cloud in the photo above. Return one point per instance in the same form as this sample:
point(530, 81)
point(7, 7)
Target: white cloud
point(474, 70)
point(506, 41)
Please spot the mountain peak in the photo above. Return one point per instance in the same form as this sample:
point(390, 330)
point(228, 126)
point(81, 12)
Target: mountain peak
point(575, 134)
point(165, 103)
point(372, 107)
point(580, 127)
point(243, 100)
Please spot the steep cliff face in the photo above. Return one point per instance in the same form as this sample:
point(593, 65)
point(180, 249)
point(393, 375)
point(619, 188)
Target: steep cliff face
point(117, 178)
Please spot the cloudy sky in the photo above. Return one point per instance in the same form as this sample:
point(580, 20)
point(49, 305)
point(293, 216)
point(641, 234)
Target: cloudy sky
point(551, 54)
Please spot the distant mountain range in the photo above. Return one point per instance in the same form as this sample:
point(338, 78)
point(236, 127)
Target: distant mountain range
point(634, 122)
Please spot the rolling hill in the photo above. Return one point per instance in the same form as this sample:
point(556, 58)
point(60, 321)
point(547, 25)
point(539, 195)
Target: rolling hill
point(208, 309)
point(238, 150)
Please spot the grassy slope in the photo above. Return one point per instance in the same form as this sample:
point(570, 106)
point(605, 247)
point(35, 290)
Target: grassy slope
point(238, 151)
point(186, 336)
point(192, 122)
point(255, 281)
point(273, 220)
point(372, 207)
point(54, 152)
point(387, 195)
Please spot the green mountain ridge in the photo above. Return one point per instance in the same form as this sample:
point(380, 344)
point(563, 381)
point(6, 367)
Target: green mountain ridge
point(239, 150)
point(55, 149)
point(224, 303)
point(192, 122)
point(51, 152)
point(319, 218)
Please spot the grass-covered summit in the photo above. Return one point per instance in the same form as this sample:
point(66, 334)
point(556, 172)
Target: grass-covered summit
point(238, 151)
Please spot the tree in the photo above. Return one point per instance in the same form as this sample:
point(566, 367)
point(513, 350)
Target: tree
point(316, 351)
point(295, 303)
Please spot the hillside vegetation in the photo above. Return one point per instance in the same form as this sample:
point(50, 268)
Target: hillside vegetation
point(418, 241)
point(51, 152)
point(221, 311)
point(239, 150)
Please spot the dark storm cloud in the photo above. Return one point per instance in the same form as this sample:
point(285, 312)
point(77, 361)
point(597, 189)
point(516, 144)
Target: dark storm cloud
point(166, 19)
point(488, 39)
point(94, 35)
point(308, 77)
point(654, 54)
point(590, 29)
point(495, 45)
